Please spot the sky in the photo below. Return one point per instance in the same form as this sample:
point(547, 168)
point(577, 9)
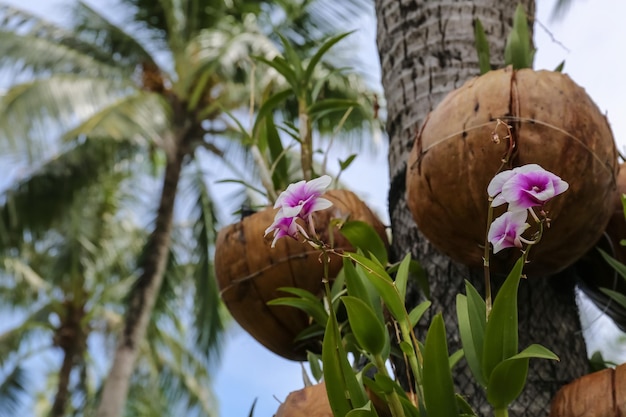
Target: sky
point(590, 40)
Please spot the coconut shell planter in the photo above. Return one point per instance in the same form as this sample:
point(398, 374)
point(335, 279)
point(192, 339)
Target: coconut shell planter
point(600, 394)
point(250, 272)
point(553, 123)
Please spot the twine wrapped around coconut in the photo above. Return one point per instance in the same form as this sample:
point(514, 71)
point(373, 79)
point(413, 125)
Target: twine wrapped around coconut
point(250, 272)
point(600, 394)
point(554, 124)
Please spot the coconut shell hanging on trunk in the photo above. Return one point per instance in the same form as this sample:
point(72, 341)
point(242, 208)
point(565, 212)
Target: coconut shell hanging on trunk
point(554, 123)
point(250, 272)
point(600, 394)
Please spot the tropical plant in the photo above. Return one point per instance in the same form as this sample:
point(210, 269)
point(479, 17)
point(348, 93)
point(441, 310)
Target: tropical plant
point(442, 59)
point(157, 88)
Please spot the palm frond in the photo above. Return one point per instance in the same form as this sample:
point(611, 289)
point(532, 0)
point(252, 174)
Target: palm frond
point(207, 319)
point(195, 15)
point(14, 389)
point(307, 22)
point(31, 26)
point(183, 372)
point(30, 326)
point(141, 117)
point(560, 9)
point(38, 55)
point(42, 197)
point(54, 104)
point(110, 38)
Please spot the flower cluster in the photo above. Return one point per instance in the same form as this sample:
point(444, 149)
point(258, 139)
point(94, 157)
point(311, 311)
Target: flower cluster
point(298, 201)
point(522, 188)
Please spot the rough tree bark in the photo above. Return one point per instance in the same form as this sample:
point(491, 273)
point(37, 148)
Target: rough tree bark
point(426, 50)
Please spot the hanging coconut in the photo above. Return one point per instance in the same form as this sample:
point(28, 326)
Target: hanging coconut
point(600, 394)
point(250, 272)
point(553, 123)
point(310, 401)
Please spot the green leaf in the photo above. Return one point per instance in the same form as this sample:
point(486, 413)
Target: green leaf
point(559, 68)
point(471, 315)
point(507, 382)
point(402, 276)
point(292, 59)
point(367, 328)
point(363, 236)
point(365, 411)
point(342, 387)
point(501, 336)
point(343, 165)
point(597, 362)
point(482, 47)
point(618, 297)
point(321, 108)
point(308, 72)
point(416, 314)
point(282, 66)
point(619, 267)
point(314, 364)
point(455, 358)
point(383, 284)
point(312, 308)
point(268, 107)
point(438, 387)
point(464, 408)
point(518, 51)
point(355, 285)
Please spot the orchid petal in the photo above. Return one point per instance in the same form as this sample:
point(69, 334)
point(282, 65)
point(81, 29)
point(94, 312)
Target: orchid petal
point(506, 230)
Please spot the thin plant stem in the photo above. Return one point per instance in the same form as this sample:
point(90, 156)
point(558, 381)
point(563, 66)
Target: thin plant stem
point(501, 412)
point(415, 358)
point(393, 400)
point(507, 157)
point(488, 303)
point(306, 140)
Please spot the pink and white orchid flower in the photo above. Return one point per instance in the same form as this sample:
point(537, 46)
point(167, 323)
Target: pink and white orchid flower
point(303, 198)
point(524, 187)
point(283, 226)
point(506, 230)
point(299, 200)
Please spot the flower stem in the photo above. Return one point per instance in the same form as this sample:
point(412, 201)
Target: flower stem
point(501, 412)
point(306, 140)
point(393, 400)
point(486, 262)
point(415, 358)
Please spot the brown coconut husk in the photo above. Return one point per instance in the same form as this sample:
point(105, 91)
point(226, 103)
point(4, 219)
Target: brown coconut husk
point(310, 401)
point(600, 394)
point(554, 124)
point(250, 272)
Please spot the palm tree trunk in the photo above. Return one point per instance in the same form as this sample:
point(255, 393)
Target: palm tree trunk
point(143, 295)
point(427, 50)
point(63, 393)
